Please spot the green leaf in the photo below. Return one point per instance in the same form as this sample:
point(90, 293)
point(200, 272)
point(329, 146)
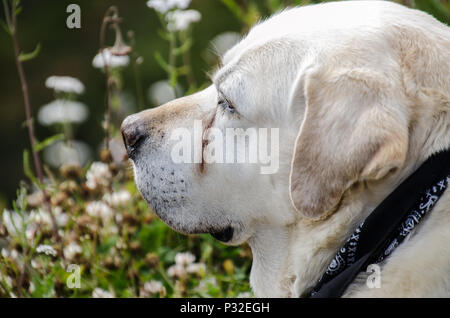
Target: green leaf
point(5, 27)
point(108, 243)
point(27, 168)
point(183, 48)
point(18, 10)
point(173, 77)
point(274, 5)
point(25, 123)
point(47, 142)
point(435, 8)
point(235, 9)
point(29, 56)
point(164, 35)
point(161, 61)
point(183, 70)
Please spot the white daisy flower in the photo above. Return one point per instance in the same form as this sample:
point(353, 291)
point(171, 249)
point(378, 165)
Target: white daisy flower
point(46, 249)
point(118, 198)
point(100, 210)
point(184, 258)
point(180, 20)
point(221, 43)
point(162, 92)
point(163, 6)
point(101, 293)
point(71, 250)
point(196, 268)
point(98, 175)
point(6, 253)
point(62, 111)
point(61, 219)
point(43, 218)
point(176, 270)
point(13, 222)
point(74, 152)
point(206, 283)
point(66, 84)
point(153, 287)
point(111, 60)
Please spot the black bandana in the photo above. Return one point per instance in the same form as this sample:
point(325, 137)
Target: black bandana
point(387, 226)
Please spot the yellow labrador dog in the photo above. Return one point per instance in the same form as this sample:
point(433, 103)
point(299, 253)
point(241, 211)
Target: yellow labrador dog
point(342, 101)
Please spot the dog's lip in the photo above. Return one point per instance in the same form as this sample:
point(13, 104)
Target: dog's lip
point(223, 235)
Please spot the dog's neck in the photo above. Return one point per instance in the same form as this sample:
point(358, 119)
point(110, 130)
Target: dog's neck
point(288, 261)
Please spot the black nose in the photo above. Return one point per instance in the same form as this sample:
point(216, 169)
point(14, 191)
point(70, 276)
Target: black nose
point(132, 134)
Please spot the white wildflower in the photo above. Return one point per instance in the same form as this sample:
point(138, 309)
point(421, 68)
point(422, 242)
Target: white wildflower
point(66, 84)
point(108, 230)
point(184, 258)
point(100, 210)
point(206, 283)
point(36, 264)
point(176, 270)
point(6, 253)
point(120, 244)
point(196, 268)
point(118, 218)
point(36, 198)
point(98, 175)
point(70, 153)
point(153, 287)
point(71, 250)
point(118, 198)
point(9, 282)
point(101, 293)
point(30, 232)
point(61, 219)
point(162, 92)
point(113, 61)
point(62, 111)
point(13, 222)
point(180, 20)
point(163, 6)
point(221, 43)
point(46, 249)
point(118, 150)
point(43, 218)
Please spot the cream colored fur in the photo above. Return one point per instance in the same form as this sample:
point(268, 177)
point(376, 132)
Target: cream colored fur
point(360, 91)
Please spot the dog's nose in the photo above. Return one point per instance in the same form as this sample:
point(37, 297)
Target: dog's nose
point(132, 134)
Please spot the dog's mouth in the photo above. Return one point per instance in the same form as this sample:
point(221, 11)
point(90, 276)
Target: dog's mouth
point(224, 235)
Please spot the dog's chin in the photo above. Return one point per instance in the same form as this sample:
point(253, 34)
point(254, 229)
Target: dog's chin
point(224, 233)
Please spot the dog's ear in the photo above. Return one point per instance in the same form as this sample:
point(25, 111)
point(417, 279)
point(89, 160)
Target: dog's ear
point(355, 128)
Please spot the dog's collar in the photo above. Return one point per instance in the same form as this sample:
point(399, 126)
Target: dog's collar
point(387, 226)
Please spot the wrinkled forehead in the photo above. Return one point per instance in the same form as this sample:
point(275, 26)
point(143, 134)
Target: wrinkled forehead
point(259, 73)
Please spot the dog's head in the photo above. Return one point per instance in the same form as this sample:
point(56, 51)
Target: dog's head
point(284, 130)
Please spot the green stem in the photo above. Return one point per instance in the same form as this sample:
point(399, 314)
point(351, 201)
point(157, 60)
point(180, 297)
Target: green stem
point(138, 83)
point(27, 103)
point(187, 62)
point(172, 61)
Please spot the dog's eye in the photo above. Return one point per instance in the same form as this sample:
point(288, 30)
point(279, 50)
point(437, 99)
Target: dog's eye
point(226, 105)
